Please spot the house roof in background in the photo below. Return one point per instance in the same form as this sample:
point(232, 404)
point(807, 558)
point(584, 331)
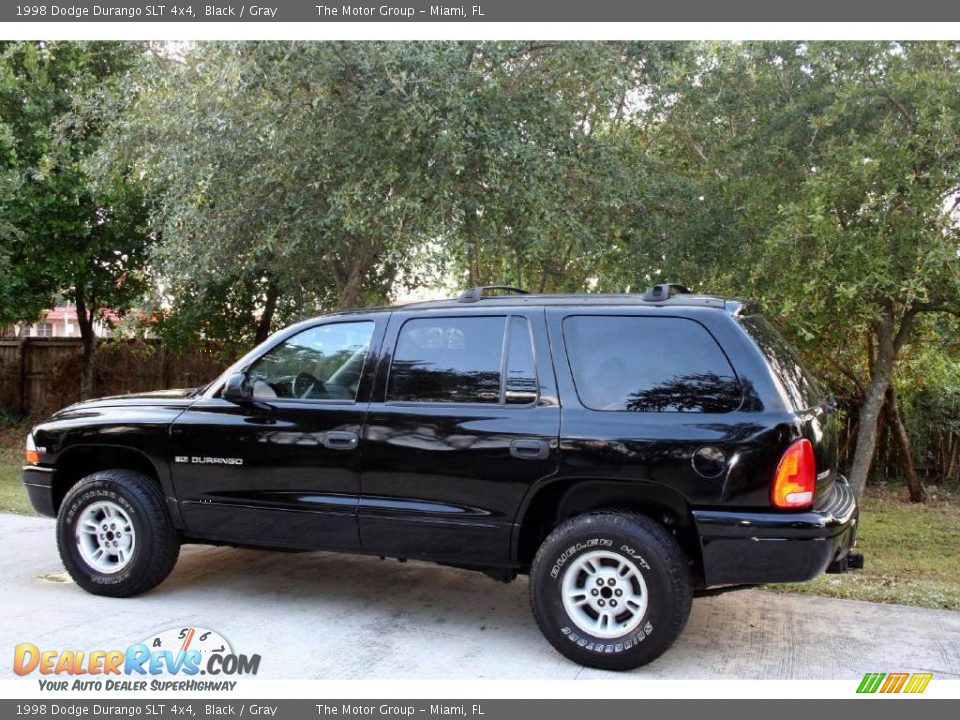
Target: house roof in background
point(68, 312)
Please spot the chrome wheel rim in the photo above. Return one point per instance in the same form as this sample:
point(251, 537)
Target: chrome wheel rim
point(105, 537)
point(604, 594)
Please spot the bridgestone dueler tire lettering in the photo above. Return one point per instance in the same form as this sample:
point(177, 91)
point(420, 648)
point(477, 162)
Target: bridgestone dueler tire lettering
point(665, 572)
point(157, 541)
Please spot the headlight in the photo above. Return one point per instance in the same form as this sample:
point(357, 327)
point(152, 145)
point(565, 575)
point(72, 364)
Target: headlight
point(33, 452)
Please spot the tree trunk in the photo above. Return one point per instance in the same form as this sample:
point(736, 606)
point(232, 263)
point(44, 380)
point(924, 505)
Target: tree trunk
point(889, 341)
point(952, 466)
point(269, 310)
point(88, 343)
point(850, 427)
point(881, 432)
point(349, 295)
point(914, 487)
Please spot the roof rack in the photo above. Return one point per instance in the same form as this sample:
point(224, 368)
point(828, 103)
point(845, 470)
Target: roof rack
point(665, 291)
point(476, 294)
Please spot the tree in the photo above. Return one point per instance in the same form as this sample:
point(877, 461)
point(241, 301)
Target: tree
point(542, 163)
point(833, 172)
point(285, 174)
point(62, 235)
point(323, 175)
point(928, 389)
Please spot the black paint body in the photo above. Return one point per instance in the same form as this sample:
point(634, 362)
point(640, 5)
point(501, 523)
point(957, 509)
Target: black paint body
point(475, 485)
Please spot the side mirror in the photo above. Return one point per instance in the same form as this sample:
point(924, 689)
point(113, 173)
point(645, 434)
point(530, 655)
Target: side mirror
point(237, 388)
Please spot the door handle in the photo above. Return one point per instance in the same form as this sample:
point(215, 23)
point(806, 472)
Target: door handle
point(340, 440)
point(529, 449)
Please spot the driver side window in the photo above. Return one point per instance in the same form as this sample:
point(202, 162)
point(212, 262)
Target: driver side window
point(321, 363)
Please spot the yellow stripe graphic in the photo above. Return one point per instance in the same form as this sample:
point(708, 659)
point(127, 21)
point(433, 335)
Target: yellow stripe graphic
point(918, 682)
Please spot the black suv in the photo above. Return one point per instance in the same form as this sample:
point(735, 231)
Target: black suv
point(623, 450)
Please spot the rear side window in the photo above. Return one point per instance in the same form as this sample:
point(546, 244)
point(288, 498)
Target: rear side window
point(802, 390)
point(464, 360)
point(649, 364)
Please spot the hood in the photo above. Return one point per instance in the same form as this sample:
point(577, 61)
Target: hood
point(157, 398)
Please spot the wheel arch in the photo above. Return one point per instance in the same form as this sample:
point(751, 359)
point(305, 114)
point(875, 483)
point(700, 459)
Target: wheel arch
point(79, 461)
point(561, 499)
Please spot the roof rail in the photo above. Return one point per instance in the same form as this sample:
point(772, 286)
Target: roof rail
point(476, 294)
point(665, 291)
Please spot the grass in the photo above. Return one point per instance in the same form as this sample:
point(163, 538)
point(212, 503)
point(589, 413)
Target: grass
point(912, 551)
point(13, 498)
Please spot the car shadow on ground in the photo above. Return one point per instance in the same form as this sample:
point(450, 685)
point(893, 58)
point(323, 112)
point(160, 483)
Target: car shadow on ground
point(416, 592)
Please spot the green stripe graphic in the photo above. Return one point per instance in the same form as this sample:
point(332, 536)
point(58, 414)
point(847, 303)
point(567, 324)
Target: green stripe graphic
point(871, 682)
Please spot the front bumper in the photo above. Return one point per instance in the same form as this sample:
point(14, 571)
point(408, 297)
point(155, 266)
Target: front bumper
point(768, 547)
point(38, 481)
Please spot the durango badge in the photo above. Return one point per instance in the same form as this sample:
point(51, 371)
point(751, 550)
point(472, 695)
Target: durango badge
point(195, 460)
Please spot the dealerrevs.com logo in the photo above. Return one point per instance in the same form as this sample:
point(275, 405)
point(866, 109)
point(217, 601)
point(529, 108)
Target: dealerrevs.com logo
point(168, 660)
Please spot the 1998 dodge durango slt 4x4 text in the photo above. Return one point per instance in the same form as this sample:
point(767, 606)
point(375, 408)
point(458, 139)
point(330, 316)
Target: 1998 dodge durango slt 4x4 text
point(624, 450)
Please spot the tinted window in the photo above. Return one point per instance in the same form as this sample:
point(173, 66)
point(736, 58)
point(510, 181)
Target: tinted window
point(321, 363)
point(521, 385)
point(649, 364)
point(448, 360)
point(802, 390)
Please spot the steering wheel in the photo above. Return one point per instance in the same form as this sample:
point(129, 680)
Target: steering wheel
point(304, 384)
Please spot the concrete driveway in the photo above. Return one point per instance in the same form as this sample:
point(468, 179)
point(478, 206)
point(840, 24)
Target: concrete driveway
point(317, 615)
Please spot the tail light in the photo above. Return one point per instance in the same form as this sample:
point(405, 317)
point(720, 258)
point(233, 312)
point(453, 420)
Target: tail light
point(796, 477)
point(33, 452)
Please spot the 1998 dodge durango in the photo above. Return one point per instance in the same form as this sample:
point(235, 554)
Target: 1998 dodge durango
point(622, 450)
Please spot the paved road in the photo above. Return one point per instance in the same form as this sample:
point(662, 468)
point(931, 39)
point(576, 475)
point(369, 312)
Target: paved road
point(318, 615)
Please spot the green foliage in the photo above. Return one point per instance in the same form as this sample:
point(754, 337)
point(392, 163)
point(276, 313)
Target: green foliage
point(830, 168)
point(13, 496)
point(544, 177)
point(225, 311)
point(298, 169)
point(928, 385)
point(333, 173)
point(59, 235)
point(284, 179)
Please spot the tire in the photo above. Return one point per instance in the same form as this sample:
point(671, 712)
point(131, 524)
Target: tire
point(637, 566)
point(126, 511)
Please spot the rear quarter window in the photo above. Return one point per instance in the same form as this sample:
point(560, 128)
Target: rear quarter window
point(649, 364)
point(801, 388)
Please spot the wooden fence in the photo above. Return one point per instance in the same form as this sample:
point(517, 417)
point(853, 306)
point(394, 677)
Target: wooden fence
point(41, 375)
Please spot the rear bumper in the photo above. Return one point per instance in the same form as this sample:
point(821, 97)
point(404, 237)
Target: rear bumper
point(768, 547)
point(38, 482)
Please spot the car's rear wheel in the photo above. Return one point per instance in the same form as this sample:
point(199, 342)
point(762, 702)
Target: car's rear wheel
point(611, 589)
point(115, 535)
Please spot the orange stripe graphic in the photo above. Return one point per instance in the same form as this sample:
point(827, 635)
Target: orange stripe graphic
point(894, 682)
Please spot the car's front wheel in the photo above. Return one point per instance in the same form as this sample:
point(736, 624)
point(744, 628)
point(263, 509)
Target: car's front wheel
point(115, 535)
point(610, 589)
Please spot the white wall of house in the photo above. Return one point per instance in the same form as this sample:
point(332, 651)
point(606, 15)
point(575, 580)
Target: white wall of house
point(59, 327)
